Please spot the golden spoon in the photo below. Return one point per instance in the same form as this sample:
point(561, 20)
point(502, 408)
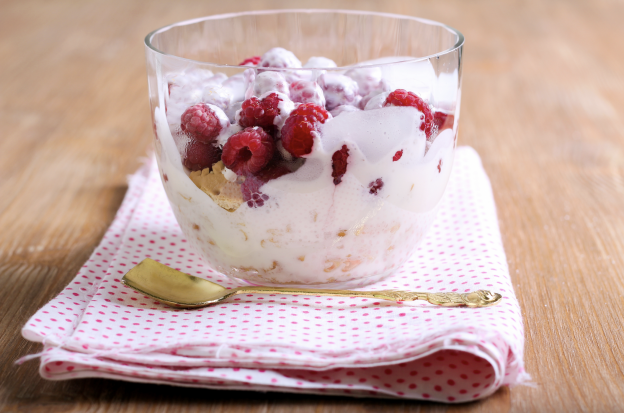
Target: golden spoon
point(178, 289)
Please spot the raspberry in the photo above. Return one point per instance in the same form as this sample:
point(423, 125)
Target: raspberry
point(198, 155)
point(218, 96)
point(443, 120)
point(339, 164)
point(343, 108)
point(300, 127)
point(367, 78)
point(401, 97)
point(397, 155)
point(381, 89)
point(201, 123)
point(238, 84)
point(317, 62)
point(251, 192)
point(338, 90)
point(248, 151)
point(256, 112)
point(279, 58)
point(251, 61)
point(375, 186)
point(273, 171)
point(252, 184)
point(369, 102)
point(305, 91)
point(270, 82)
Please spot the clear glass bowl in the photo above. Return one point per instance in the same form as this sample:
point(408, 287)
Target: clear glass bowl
point(338, 199)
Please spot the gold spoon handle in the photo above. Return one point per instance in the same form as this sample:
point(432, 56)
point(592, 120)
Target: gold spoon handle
point(479, 298)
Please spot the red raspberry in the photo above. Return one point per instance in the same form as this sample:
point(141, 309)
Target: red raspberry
point(401, 97)
point(198, 155)
point(375, 186)
point(200, 122)
point(251, 61)
point(256, 112)
point(397, 155)
point(339, 164)
point(297, 133)
point(273, 171)
point(251, 192)
point(252, 184)
point(248, 151)
point(307, 91)
point(443, 120)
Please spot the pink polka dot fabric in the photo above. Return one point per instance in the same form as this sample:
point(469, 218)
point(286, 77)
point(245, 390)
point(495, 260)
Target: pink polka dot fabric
point(97, 327)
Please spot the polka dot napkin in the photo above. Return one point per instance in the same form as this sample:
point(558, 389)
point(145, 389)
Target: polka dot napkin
point(97, 327)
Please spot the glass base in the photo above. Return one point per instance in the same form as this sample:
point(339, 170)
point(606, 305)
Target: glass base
point(342, 285)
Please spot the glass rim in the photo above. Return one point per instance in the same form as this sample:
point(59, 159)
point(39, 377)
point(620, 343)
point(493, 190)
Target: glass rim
point(458, 44)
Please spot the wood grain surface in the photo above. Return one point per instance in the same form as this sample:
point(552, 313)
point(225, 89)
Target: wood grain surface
point(542, 96)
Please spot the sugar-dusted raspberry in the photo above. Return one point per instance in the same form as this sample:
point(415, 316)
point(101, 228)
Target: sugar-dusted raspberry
point(300, 127)
point(338, 90)
point(251, 61)
point(279, 58)
point(248, 151)
point(257, 112)
point(217, 79)
point(344, 108)
point(397, 155)
point(367, 78)
point(201, 123)
point(401, 97)
point(218, 96)
point(270, 81)
point(374, 102)
point(381, 88)
point(186, 89)
point(198, 155)
point(239, 83)
point(306, 91)
point(339, 164)
point(317, 62)
point(375, 186)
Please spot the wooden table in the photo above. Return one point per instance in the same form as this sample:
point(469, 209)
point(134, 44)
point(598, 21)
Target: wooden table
point(542, 95)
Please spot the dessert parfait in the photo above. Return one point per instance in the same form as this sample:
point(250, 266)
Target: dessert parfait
point(305, 174)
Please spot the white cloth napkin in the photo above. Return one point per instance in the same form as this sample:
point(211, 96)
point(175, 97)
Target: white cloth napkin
point(97, 327)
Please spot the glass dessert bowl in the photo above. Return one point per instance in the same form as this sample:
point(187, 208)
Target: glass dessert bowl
point(305, 147)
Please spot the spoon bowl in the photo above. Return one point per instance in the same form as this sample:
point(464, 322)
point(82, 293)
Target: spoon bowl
point(174, 287)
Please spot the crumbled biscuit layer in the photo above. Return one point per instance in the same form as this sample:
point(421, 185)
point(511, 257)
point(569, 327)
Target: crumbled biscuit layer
point(226, 194)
